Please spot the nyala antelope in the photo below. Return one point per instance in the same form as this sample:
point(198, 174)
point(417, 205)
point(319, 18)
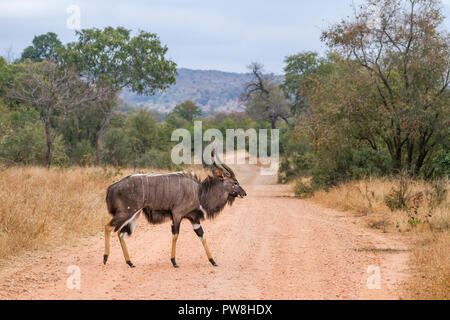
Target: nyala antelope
point(174, 196)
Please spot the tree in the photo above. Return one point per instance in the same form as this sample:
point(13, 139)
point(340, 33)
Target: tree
point(55, 91)
point(45, 47)
point(406, 65)
point(264, 99)
point(5, 76)
point(114, 58)
point(187, 110)
point(142, 131)
point(298, 68)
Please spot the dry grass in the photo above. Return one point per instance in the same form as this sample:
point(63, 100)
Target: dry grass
point(431, 263)
point(430, 238)
point(42, 208)
point(367, 197)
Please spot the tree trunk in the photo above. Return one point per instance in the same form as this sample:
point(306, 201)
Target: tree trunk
point(420, 161)
point(395, 151)
point(100, 133)
point(397, 160)
point(273, 122)
point(410, 153)
point(423, 150)
point(49, 142)
point(48, 154)
point(398, 146)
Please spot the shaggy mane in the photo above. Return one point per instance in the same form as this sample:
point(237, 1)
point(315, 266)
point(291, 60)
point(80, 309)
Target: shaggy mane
point(212, 209)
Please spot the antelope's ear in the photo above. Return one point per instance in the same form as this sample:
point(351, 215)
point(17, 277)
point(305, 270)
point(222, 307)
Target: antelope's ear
point(217, 173)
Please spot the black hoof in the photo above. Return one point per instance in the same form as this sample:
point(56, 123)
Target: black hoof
point(105, 258)
point(131, 264)
point(174, 263)
point(213, 262)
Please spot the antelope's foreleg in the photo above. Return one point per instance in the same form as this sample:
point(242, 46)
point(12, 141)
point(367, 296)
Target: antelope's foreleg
point(124, 249)
point(108, 230)
point(199, 231)
point(175, 232)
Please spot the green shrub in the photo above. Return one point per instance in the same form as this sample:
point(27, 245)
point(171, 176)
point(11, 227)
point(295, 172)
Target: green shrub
point(25, 145)
point(83, 153)
point(342, 164)
point(441, 164)
point(117, 149)
point(155, 159)
point(303, 190)
point(59, 155)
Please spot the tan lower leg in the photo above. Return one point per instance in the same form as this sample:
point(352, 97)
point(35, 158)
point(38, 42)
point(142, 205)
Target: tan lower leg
point(174, 245)
point(124, 247)
point(205, 245)
point(108, 230)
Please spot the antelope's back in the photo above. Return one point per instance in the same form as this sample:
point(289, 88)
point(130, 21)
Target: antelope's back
point(153, 191)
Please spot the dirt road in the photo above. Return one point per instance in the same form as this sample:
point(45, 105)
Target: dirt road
point(268, 246)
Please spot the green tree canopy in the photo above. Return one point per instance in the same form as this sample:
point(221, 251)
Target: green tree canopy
point(187, 110)
point(5, 76)
point(113, 57)
point(120, 60)
point(394, 86)
point(45, 47)
point(55, 91)
point(299, 67)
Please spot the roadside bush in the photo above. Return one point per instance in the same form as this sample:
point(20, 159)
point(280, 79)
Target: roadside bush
point(441, 164)
point(369, 162)
point(25, 145)
point(155, 159)
point(117, 149)
point(83, 153)
point(303, 190)
point(344, 164)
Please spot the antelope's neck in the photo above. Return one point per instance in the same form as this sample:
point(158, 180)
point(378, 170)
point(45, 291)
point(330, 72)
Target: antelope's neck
point(213, 198)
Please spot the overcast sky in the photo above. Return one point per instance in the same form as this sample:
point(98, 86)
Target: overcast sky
point(202, 34)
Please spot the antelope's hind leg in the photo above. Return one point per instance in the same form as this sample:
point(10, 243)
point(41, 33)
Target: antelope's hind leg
point(123, 229)
point(127, 229)
point(175, 232)
point(108, 230)
point(121, 236)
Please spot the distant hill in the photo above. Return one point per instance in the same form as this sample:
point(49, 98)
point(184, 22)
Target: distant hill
point(212, 90)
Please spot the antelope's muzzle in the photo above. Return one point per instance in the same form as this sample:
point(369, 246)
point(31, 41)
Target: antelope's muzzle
point(241, 192)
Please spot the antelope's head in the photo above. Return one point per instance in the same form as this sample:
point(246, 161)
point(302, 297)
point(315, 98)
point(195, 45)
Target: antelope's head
point(228, 178)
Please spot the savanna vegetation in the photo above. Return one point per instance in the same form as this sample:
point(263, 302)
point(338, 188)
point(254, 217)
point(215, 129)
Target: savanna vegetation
point(371, 133)
point(364, 127)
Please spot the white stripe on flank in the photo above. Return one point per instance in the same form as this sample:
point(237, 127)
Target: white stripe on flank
point(196, 226)
point(126, 222)
point(153, 175)
point(156, 174)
